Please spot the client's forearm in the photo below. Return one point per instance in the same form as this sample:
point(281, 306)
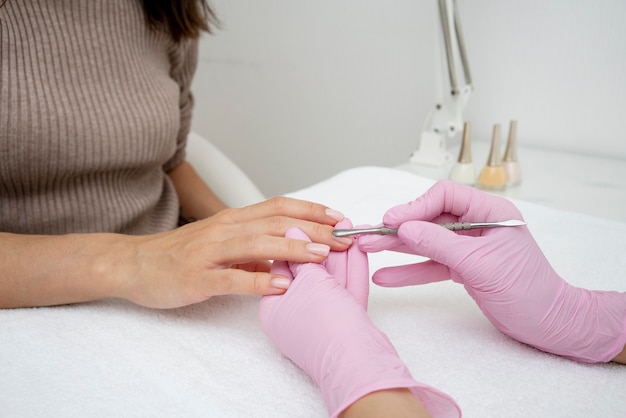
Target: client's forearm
point(39, 270)
point(390, 403)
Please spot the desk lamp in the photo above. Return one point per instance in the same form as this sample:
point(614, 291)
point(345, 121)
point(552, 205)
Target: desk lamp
point(446, 119)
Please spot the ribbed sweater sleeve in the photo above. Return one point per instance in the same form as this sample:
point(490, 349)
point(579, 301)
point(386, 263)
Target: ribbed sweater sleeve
point(184, 59)
point(95, 108)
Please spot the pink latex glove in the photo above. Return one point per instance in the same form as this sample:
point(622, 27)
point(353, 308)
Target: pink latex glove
point(321, 324)
point(503, 270)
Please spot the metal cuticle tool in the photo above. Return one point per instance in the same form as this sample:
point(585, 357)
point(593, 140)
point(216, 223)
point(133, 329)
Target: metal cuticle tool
point(453, 226)
point(381, 230)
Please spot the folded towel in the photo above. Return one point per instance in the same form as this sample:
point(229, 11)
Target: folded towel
point(112, 358)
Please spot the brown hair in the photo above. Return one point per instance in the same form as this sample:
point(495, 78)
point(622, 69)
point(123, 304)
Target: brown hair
point(182, 18)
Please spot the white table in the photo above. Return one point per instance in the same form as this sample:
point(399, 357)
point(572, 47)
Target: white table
point(111, 358)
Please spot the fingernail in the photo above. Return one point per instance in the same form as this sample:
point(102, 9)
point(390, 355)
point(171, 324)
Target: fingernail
point(319, 249)
point(344, 240)
point(336, 215)
point(280, 283)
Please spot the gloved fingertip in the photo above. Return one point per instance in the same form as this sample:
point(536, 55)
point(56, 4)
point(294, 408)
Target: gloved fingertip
point(366, 243)
point(281, 268)
point(382, 282)
point(297, 233)
point(391, 219)
point(381, 279)
point(346, 223)
point(289, 269)
point(402, 213)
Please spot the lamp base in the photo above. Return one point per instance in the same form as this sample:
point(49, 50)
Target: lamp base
point(432, 150)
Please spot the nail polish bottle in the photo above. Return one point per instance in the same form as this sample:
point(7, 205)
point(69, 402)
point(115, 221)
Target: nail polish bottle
point(493, 176)
point(463, 171)
point(510, 161)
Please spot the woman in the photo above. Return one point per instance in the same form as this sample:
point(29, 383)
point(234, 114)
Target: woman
point(96, 108)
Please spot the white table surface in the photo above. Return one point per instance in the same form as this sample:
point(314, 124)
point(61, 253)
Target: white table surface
point(111, 358)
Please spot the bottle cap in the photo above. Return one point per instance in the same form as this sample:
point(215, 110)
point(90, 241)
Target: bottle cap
point(465, 156)
point(510, 154)
point(494, 155)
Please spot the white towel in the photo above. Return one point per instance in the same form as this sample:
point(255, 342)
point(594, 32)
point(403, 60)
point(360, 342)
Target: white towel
point(111, 358)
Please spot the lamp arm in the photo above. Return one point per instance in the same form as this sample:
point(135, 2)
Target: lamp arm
point(446, 119)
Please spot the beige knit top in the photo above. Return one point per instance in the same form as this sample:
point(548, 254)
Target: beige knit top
point(95, 108)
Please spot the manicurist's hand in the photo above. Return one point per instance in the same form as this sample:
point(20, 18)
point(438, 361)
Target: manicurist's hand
point(224, 253)
point(504, 271)
point(321, 324)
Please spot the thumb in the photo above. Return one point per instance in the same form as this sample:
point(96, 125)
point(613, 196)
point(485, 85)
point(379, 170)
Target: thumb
point(435, 242)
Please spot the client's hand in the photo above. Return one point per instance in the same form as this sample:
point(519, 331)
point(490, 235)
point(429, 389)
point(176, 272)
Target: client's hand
point(321, 324)
point(503, 270)
point(225, 253)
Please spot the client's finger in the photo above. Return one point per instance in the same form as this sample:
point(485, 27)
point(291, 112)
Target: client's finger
point(247, 248)
point(285, 206)
point(235, 281)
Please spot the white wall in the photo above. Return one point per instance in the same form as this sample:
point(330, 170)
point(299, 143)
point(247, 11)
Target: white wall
point(295, 91)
